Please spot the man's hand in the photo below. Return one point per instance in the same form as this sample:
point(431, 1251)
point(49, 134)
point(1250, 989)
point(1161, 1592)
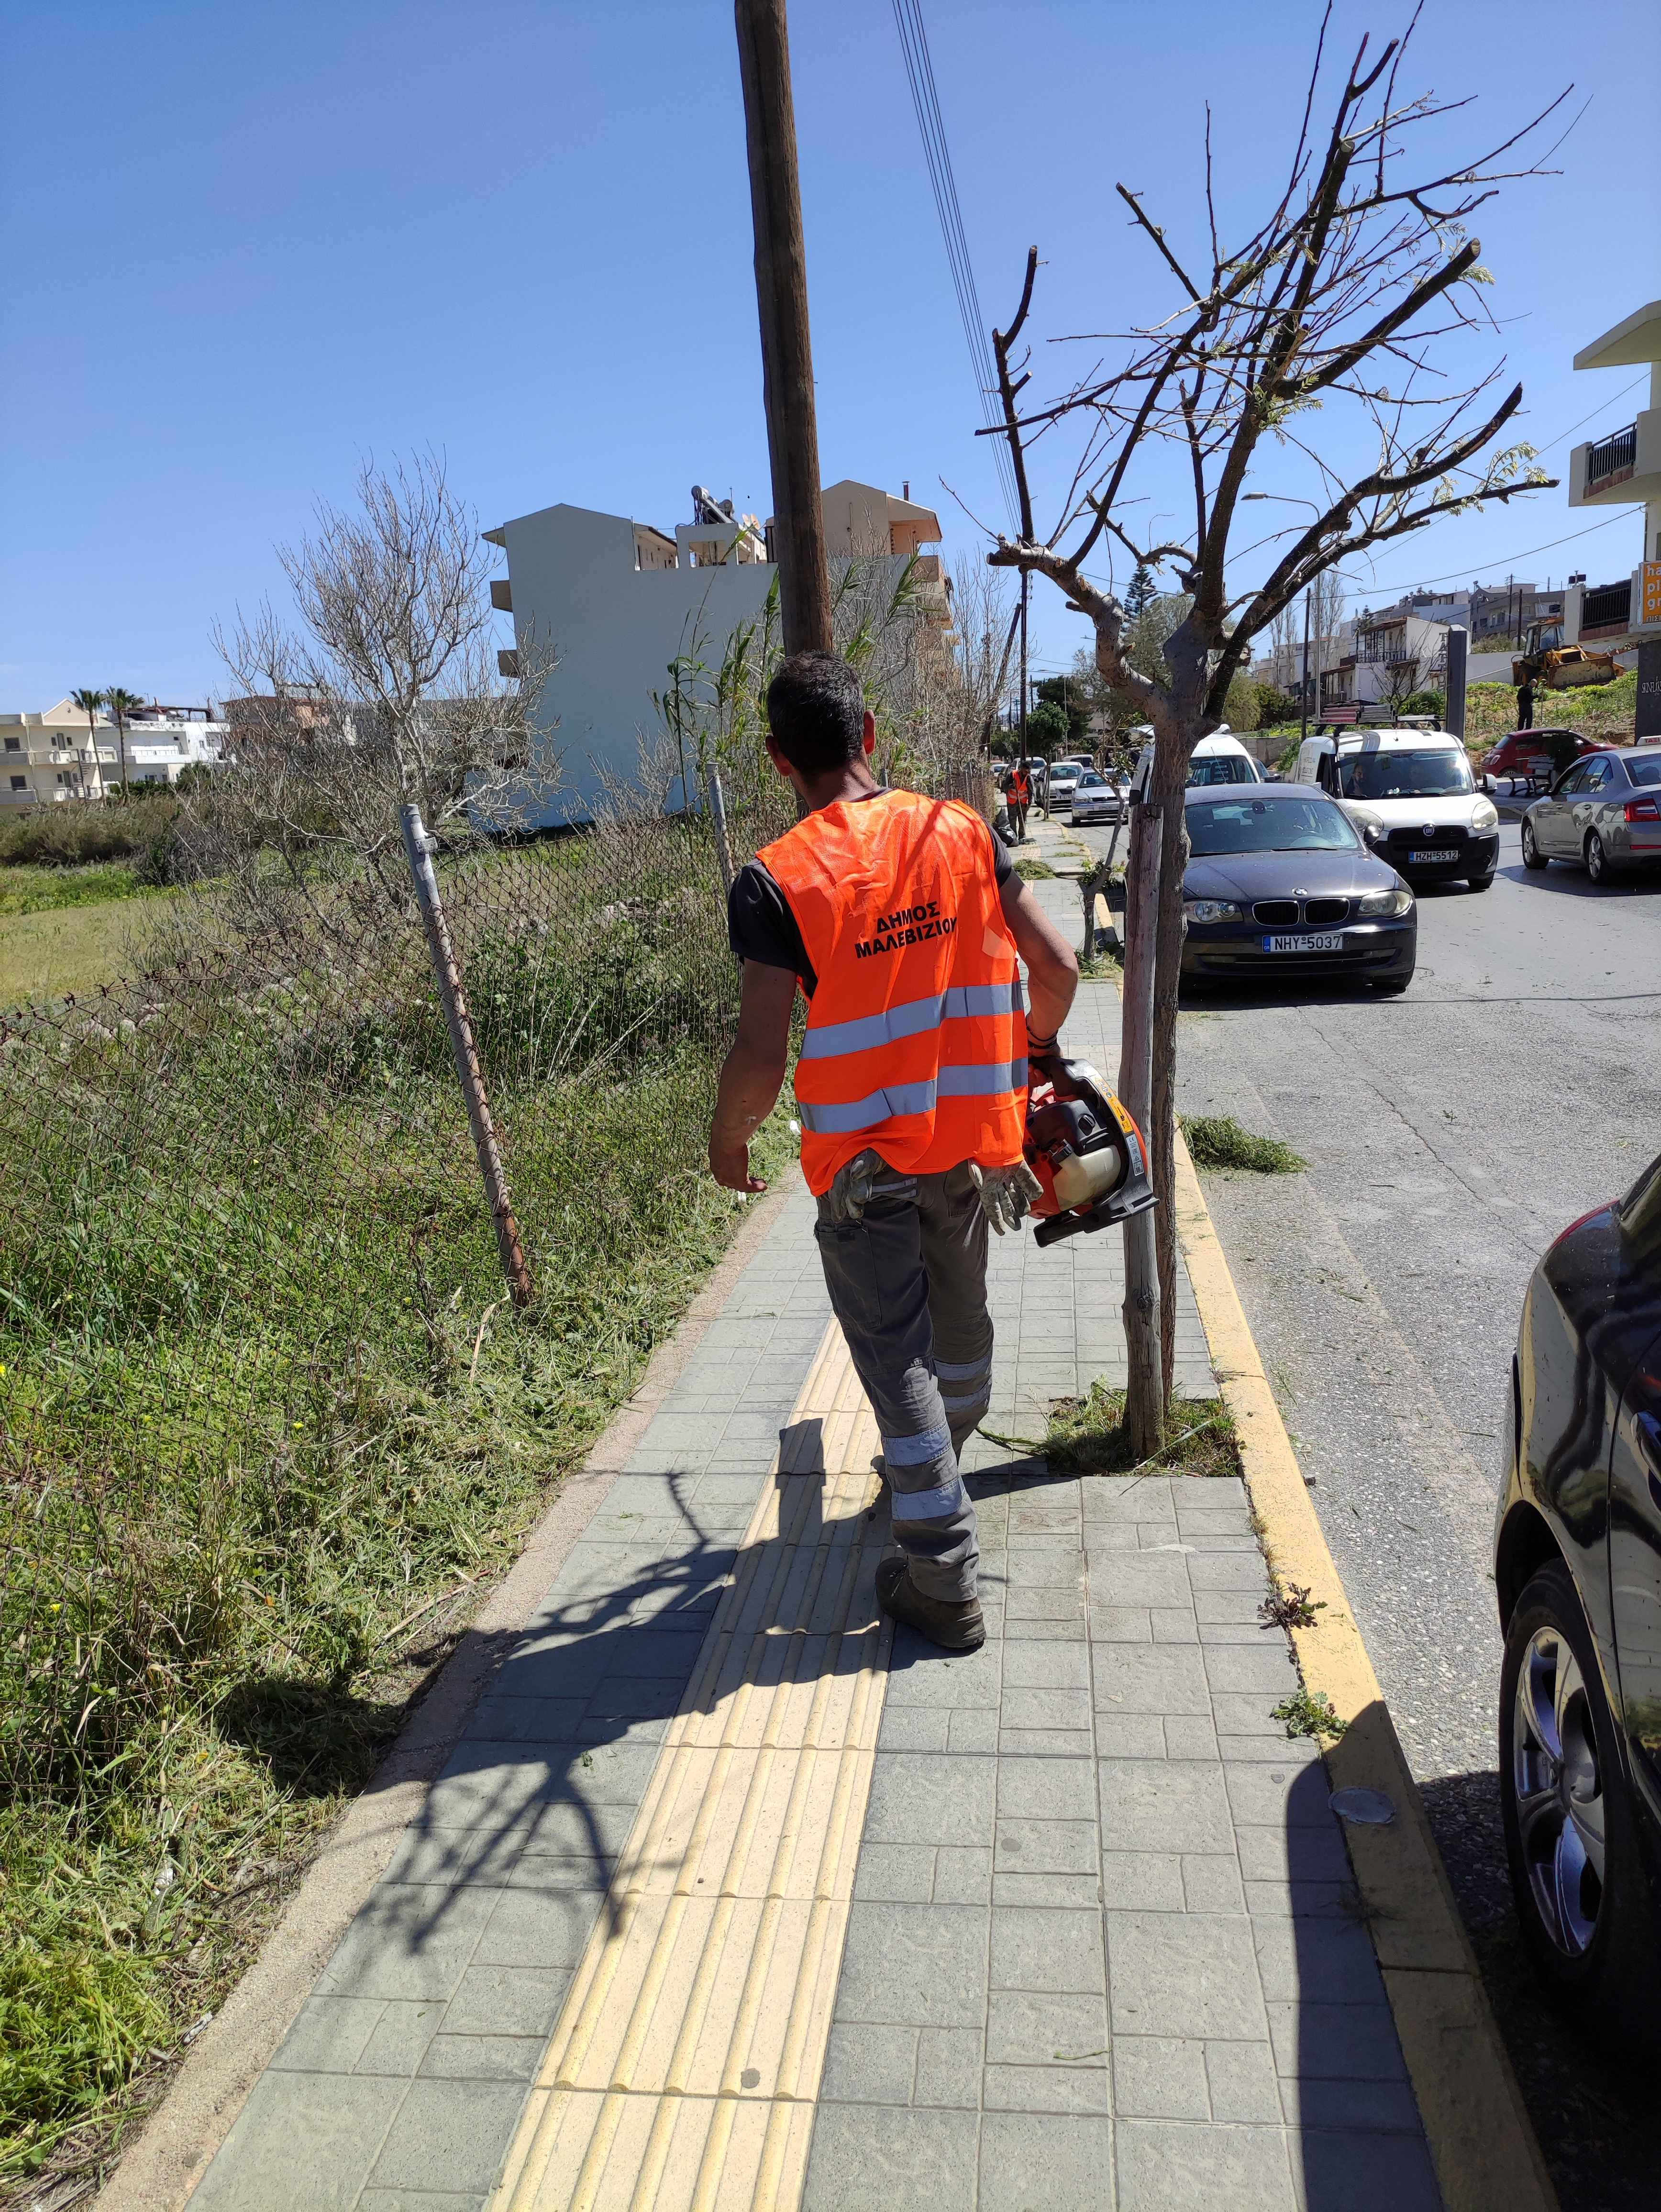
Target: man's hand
point(729, 1163)
point(753, 1071)
point(1005, 1193)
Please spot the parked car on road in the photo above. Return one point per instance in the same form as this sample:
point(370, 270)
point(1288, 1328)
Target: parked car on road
point(1604, 813)
point(1096, 798)
point(1533, 758)
point(1280, 883)
point(1059, 784)
point(1578, 1575)
point(1411, 794)
point(1221, 758)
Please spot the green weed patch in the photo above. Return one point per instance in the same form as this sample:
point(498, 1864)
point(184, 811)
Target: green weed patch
point(1217, 1140)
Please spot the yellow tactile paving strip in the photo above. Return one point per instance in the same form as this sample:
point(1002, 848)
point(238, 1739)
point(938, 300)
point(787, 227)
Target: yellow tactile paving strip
point(682, 2072)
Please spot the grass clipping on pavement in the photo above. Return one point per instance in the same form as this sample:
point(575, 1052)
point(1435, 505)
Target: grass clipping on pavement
point(1217, 1140)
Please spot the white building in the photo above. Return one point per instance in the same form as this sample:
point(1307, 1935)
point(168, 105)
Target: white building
point(56, 755)
point(614, 602)
point(1623, 469)
point(1395, 653)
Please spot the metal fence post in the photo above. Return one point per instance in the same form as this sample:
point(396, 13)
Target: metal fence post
point(717, 799)
point(1453, 715)
point(418, 847)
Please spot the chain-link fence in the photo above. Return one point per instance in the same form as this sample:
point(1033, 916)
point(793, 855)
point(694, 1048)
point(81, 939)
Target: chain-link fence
point(268, 1417)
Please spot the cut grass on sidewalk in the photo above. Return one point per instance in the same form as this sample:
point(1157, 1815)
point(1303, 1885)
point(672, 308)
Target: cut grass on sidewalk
point(1086, 1435)
point(1217, 1140)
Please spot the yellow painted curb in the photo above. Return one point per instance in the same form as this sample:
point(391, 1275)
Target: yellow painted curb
point(683, 2070)
point(1479, 2135)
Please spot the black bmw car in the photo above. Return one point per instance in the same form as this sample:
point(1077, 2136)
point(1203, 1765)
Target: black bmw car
point(1578, 1574)
point(1278, 883)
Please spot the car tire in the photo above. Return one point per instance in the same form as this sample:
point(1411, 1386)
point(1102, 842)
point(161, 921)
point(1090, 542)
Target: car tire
point(1593, 1943)
point(1599, 866)
point(1480, 883)
point(1532, 856)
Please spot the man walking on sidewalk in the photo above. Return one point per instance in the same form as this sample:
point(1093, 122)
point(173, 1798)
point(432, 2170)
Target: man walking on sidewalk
point(901, 919)
point(1018, 791)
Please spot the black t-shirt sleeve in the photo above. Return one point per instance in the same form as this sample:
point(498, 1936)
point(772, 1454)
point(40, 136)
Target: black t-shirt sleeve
point(761, 927)
point(1003, 862)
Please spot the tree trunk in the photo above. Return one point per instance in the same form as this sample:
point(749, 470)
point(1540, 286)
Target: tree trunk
point(1145, 1391)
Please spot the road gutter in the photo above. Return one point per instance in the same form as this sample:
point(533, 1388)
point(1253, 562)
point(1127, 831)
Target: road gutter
point(1478, 2130)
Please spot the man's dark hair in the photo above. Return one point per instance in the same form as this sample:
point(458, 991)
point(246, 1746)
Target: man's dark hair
point(816, 711)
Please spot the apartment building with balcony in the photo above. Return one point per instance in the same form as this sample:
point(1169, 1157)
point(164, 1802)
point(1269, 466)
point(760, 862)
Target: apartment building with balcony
point(1623, 469)
point(1393, 653)
point(48, 758)
point(615, 602)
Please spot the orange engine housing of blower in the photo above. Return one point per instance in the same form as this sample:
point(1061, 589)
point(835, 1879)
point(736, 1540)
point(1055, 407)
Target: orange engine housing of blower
point(1085, 1151)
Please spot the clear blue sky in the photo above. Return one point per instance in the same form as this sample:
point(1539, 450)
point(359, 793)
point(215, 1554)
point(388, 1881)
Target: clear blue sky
point(246, 244)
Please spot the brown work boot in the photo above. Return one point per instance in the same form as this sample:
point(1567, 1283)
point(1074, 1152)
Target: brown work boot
point(954, 1624)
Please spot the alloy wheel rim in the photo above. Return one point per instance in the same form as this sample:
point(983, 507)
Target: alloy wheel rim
point(1595, 857)
point(1528, 838)
point(1558, 1792)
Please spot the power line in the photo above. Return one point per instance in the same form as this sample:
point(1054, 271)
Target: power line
point(1493, 562)
point(919, 72)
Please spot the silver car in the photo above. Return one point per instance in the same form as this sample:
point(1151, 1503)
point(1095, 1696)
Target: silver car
point(1604, 812)
point(1096, 800)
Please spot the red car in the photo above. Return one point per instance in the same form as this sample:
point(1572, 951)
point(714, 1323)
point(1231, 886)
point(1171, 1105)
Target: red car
point(1533, 757)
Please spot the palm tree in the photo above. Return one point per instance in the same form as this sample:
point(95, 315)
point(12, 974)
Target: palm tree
point(89, 703)
point(120, 704)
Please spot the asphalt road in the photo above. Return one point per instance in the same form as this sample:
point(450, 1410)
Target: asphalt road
point(1450, 1134)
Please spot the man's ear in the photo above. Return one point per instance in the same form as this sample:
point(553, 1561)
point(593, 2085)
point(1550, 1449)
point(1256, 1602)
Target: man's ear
point(782, 766)
point(869, 740)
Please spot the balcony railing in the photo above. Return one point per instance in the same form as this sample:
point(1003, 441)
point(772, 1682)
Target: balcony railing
point(1607, 609)
point(1386, 648)
point(1612, 457)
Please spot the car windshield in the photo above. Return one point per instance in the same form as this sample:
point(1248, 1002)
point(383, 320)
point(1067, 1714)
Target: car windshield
point(1091, 782)
point(1406, 772)
point(1646, 771)
point(1220, 768)
point(1268, 825)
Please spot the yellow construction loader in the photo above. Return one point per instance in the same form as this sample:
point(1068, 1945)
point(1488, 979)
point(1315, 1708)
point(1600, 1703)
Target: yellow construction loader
point(1550, 665)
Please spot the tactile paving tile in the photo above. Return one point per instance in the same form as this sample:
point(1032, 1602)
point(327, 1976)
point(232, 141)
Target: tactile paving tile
point(682, 2072)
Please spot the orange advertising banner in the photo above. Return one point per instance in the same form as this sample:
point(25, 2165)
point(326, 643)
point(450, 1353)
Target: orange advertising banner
point(1651, 572)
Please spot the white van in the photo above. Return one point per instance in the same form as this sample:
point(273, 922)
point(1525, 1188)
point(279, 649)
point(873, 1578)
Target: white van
point(1219, 758)
point(1411, 794)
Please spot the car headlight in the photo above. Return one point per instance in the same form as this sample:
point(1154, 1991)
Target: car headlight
point(1210, 910)
point(1391, 901)
point(1484, 816)
point(1369, 824)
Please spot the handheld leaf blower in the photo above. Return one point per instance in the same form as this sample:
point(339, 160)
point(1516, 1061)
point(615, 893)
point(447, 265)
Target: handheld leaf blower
point(1085, 1151)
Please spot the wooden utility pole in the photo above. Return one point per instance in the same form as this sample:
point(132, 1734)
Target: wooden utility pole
point(786, 356)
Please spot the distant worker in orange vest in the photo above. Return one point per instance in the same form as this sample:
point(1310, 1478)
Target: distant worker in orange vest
point(1018, 790)
point(901, 919)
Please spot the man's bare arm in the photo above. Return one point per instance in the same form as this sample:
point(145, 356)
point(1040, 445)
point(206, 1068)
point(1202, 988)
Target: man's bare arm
point(752, 1073)
point(1052, 966)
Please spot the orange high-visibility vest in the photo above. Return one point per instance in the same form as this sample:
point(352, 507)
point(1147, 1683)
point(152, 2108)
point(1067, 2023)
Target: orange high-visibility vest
point(915, 1043)
point(1020, 788)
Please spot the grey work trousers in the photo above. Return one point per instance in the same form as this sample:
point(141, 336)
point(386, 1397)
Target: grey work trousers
point(907, 1284)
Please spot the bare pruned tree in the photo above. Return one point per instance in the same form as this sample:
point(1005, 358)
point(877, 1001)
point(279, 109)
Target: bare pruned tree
point(387, 690)
point(1346, 298)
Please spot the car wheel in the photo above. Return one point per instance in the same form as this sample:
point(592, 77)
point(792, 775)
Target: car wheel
point(1532, 856)
point(1598, 861)
point(1480, 883)
point(1576, 1868)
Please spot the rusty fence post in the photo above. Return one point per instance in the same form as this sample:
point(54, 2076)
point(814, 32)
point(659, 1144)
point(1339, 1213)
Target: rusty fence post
point(447, 969)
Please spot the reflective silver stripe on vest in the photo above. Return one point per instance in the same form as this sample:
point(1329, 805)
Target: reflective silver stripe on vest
point(834, 1118)
point(961, 1003)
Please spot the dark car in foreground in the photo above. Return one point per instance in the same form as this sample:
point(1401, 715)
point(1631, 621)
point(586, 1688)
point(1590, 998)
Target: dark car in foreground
point(1278, 883)
point(1578, 1575)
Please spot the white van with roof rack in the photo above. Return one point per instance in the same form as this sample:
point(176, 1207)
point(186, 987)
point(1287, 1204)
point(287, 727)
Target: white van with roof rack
point(1219, 758)
point(1409, 791)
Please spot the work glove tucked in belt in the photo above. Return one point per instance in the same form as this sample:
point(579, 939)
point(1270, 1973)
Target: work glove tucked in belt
point(858, 1181)
point(1005, 1193)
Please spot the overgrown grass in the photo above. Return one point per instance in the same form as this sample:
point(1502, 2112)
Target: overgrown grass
point(268, 1429)
point(1217, 1140)
point(85, 830)
point(26, 889)
point(51, 952)
point(1031, 870)
point(1086, 1435)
